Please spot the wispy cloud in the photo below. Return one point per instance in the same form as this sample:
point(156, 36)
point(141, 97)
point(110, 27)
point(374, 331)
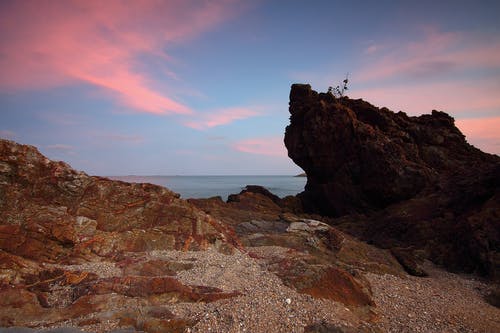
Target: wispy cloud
point(6, 134)
point(61, 148)
point(122, 138)
point(435, 54)
point(62, 118)
point(221, 117)
point(216, 138)
point(270, 146)
point(459, 98)
point(371, 49)
point(186, 152)
point(47, 44)
point(450, 71)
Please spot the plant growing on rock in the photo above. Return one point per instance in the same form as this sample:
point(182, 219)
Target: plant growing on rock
point(340, 89)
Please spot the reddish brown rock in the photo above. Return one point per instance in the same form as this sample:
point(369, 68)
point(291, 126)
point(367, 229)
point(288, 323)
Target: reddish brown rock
point(53, 217)
point(139, 286)
point(307, 255)
point(339, 285)
point(89, 250)
point(397, 181)
point(50, 212)
point(19, 306)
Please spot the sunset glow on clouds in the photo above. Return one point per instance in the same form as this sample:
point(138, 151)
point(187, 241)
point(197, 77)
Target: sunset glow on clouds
point(430, 62)
point(220, 117)
point(435, 53)
point(449, 71)
point(118, 86)
point(270, 146)
point(481, 132)
point(456, 98)
point(53, 43)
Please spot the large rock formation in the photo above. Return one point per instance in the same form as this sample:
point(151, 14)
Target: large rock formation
point(80, 248)
point(51, 212)
point(396, 180)
point(85, 251)
point(98, 254)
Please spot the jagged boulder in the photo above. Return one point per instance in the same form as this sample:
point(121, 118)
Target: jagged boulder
point(396, 180)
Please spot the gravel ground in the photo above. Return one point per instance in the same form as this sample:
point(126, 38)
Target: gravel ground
point(442, 302)
point(104, 269)
point(266, 305)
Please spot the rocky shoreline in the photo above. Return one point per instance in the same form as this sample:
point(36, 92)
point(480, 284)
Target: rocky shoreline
point(255, 266)
point(81, 253)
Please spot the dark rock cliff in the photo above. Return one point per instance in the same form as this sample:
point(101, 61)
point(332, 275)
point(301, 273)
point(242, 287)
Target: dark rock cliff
point(396, 180)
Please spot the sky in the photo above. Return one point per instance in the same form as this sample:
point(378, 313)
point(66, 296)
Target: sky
point(185, 87)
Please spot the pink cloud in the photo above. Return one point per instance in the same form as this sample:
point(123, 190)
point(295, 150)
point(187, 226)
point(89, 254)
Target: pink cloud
point(270, 146)
point(464, 98)
point(443, 71)
point(482, 132)
point(480, 127)
point(47, 44)
point(435, 54)
point(6, 134)
point(373, 48)
point(186, 152)
point(221, 117)
point(61, 148)
point(61, 118)
point(122, 138)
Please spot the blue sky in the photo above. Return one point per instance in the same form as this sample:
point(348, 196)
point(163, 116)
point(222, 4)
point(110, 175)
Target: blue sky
point(201, 87)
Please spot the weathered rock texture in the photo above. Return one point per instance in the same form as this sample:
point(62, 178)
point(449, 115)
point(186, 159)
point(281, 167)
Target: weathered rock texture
point(98, 254)
point(59, 227)
point(310, 256)
point(87, 250)
point(399, 181)
point(51, 212)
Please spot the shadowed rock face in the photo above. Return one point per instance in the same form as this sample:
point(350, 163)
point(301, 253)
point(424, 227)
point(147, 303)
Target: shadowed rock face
point(411, 181)
point(360, 158)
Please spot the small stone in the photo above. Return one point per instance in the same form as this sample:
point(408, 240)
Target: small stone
point(288, 301)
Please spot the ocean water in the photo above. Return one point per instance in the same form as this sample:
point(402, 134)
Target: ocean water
point(209, 186)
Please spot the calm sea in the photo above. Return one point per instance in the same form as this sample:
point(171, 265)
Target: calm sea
point(209, 186)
